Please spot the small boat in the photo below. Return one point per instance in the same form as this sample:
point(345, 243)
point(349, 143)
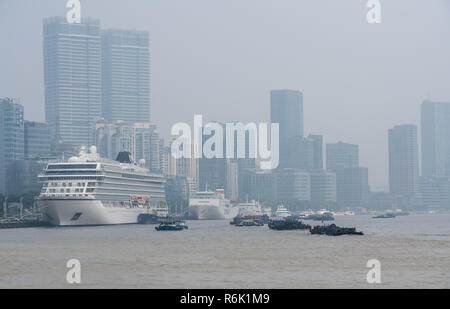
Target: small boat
point(182, 224)
point(236, 220)
point(321, 215)
point(290, 223)
point(250, 222)
point(282, 212)
point(384, 216)
point(334, 230)
point(327, 216)
point(171, 226)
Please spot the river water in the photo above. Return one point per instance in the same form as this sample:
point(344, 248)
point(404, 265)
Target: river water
point(414, 252)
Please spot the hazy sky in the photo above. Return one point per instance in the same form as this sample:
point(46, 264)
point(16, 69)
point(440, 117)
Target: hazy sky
point(221, 58)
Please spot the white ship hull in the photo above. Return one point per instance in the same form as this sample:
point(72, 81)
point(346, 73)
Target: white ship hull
point(211, 212)
point(66, 212)
point(206, 212)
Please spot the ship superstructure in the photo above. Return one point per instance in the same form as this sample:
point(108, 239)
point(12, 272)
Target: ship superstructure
point(210, 205)
point(89, 190)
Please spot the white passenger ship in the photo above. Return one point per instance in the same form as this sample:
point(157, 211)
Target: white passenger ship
point(208, 205)
point(89, 190)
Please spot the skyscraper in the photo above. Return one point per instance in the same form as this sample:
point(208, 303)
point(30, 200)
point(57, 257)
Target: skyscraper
point(342, 155)
point(286, 108)
point(293, 184)
point(37, 139)
point(125, 75)
point(263, 185)
point(11, 138)
point(435, 117)
point(317, 151)
point(72, 78)
point(300, 153)
point(403, 162)
point(435, 193)
point(352, 186)
point(323, 185)
point(141, 139)
point(352, 181)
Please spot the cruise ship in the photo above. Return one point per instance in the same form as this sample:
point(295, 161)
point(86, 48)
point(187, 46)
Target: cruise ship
point(89, 190)
point(209, 205)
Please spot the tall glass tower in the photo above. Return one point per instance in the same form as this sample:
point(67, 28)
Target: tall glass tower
point(435, 117)
point(126, 75)
point(11, 137)
point(342, 155)
point(72, 78)
point(403, 161)
point(286, 108)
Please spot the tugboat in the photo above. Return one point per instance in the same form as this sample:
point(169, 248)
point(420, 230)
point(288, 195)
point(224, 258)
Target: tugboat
point(289, 223)
point(334, 230)
point(250, 222)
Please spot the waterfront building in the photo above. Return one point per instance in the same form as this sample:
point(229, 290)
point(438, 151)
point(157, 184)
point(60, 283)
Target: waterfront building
point(323, 185)
point(12, 144)
point(142, 140)
point(435, 193)
point(300, 153)
point(37, 139)
point(293, 184)
point(342, 155)
point(352, 186)
point(263, 185)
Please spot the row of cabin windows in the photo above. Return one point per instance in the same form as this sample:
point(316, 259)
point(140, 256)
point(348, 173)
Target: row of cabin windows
point(69, 184)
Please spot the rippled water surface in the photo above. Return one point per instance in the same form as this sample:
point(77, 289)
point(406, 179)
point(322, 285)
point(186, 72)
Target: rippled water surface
point(414, 252)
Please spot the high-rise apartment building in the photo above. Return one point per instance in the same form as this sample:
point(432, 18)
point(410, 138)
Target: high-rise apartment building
point(142, 140)
point(293, 184)
point(403, 162)
point(435, 118)
point(342, 155)
point(300, 153)
point(12, 147)
point(125, 75)
point(323, 185)
point(37, 139)
point(286, 108)
point(317, 151)
point(352, 186)
point(72, 78)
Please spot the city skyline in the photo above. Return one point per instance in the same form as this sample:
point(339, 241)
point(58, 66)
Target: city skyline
point(403, 93)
